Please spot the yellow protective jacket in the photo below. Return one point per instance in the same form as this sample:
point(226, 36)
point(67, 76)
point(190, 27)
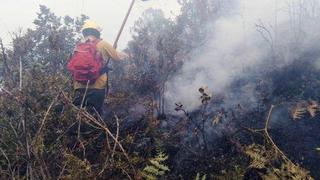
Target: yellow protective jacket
point(107, 51)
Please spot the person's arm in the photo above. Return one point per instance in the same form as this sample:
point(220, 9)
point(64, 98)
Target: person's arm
point(108, 51)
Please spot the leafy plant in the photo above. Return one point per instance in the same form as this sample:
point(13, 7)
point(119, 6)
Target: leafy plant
point(156, 167)
point(262, 158)
point(199, 177)
point(310, 107)
point(259, 155)
point(76, 168)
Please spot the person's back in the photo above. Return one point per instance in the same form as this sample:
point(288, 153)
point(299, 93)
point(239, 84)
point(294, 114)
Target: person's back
point(95, 91)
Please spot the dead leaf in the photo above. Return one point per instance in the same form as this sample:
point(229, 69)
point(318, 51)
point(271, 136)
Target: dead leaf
point(297, 112)
point(312, 108)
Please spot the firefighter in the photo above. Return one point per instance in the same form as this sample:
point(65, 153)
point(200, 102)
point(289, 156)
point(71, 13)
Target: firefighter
point(96, 90)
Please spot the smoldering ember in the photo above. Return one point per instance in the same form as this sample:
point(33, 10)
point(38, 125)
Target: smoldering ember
point(216, 89)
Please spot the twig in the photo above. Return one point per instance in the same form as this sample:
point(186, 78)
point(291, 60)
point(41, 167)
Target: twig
point(46, 115)
point(258, 131)
point(203, 116)
point(268, 119)
point(20, 73)
point(5, 155)
point(79, 121)
point(92, 119)
point(65, 132)
point(99, 117)
point(105, 164)
point(117, 136)
point(126, 173)
point(6, 91)
point(85, 94)
point(29, 171)
point(262, 30)
point(23, 120)
point(269, 137)
point(5, 60)
point(265, 133)
point(79, 138)
point(61, 173)
point(15, 133)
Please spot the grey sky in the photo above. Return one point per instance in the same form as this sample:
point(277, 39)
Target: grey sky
point(108, 13)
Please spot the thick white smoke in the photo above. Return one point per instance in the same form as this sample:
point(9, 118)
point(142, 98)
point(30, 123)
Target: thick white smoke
point(236, 46)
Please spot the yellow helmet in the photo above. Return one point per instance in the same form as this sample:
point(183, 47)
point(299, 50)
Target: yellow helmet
point(92, 25)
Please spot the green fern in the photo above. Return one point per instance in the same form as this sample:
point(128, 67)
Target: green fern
point(156, 168)
point(265, 158)
point(204, 177)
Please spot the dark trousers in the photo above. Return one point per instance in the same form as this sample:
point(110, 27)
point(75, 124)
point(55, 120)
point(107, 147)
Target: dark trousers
point(93, 101)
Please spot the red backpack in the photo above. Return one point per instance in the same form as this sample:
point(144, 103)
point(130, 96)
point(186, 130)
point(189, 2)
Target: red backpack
point(86, 62)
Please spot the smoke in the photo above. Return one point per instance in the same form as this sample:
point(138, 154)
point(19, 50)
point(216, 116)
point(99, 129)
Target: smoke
point(238, 45)
point(258, 54)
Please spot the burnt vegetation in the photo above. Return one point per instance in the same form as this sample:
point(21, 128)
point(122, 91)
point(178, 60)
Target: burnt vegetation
point(44, 136)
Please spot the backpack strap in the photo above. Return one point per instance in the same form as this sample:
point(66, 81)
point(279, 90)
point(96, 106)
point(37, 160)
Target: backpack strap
point(98, 54)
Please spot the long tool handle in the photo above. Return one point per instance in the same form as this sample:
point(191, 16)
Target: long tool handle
point(123, 24)
point(115, 44)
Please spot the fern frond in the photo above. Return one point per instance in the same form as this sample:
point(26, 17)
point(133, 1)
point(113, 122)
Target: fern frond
point(159, 166)
point(152, 170)
point(161, 157)
point(261, 158)
point(297, 112)
point(204, 177)
point(156, 168)
point(255, 152)
point(148, 176)
point(313, 108)
point(198, 176)
point(216, 120)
